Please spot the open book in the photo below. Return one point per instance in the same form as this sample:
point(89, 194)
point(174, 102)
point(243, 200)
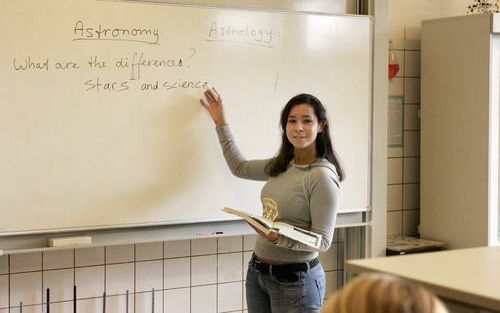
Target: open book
point(266, 226)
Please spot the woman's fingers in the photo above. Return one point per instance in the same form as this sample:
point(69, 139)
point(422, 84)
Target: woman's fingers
point(204, 104)
point(216, 93)
point(272, 237)
point(212, 102)
point(210, 96)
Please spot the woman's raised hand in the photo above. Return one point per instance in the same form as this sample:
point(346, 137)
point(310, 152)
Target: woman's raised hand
point(214, 105)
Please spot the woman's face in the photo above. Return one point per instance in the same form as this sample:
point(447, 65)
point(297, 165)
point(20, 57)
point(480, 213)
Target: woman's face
point(302, 127)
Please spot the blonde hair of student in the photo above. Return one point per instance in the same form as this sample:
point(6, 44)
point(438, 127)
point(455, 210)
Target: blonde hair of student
point(379, 293)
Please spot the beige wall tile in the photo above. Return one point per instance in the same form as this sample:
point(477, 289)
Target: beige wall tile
point(334, 280)
point(4, 264)
point(230, 297)
point(177, 301)
point(394, 171)
point(176, 273)
point(119, 254)
point(61, 284)
point(27, 309)
point(204, 299)
point(412, 90)
point(203, 246)
point(119, 303)
point(411, 219)
point(396, 86)
point(149, 251)
point(394, 197)
point(400, 58)
point(177, 248)
point(413, 35)
point(144, 301)
point(411, 170)
point(65, 307)
point(25, 262)
point(119, 278)
point(412, 117)
point(4, 291)
point(58, 259)
point(26, 288)
point(89, 256)
point(90, 281)
point(411, 196)
point(148, 275)
point(230, 244)
point(411, 143)
point(230, 267)
point(204, 270)
point(394, 223)
point(412, 63)
point(333, 258)
point(395, 152)
point(83, 306)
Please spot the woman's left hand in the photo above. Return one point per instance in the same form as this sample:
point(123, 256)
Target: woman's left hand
point(273, 236)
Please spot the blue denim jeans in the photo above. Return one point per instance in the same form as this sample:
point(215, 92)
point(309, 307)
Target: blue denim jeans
point(270, 294)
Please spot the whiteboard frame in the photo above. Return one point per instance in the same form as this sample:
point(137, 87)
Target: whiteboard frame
point(189, 223)
point(378, 129)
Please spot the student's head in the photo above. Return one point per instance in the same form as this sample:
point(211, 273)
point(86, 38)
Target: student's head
point(310, 112)
point(379, 293)
point(317, 131)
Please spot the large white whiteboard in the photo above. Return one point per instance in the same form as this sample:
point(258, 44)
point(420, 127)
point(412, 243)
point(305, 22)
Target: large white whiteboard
point(137, 148)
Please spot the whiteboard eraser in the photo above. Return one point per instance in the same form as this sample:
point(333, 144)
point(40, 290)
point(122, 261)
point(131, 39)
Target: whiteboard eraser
point(69, 241)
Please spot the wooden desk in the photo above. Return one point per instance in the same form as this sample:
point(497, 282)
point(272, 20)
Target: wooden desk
point(470, 276)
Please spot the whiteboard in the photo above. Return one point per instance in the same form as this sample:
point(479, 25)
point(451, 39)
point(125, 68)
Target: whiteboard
point(101, 125)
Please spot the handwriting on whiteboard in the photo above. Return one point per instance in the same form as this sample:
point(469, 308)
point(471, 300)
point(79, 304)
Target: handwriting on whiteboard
point(99, 32)
point(151, 68)
point(255, 35)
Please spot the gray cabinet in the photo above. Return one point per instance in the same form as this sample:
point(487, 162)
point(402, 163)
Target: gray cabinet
point(460, 130)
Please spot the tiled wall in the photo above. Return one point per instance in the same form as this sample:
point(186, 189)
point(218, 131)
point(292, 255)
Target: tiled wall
point(403, 177)
point(403, 162)
point(190, 276)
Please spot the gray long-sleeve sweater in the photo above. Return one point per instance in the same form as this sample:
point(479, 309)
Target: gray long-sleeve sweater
point(306, 196)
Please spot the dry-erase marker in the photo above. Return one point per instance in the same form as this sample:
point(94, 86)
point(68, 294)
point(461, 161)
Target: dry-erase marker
point(210, 234)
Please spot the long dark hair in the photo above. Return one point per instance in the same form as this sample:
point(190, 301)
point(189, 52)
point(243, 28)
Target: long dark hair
point(324, 147)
